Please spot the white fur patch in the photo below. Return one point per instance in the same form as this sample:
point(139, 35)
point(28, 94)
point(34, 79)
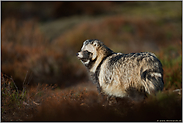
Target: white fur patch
point(80, 55)
point(87, 62)
point(88, 47)
point(156, 74)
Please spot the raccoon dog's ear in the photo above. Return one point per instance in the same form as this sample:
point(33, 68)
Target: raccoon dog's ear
point(95, 44)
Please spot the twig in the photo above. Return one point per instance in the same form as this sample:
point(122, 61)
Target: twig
point(15, 85)
point(24, 80)
point(35, 103)
point(28, 80)
point(30, 77)
point(178, 91)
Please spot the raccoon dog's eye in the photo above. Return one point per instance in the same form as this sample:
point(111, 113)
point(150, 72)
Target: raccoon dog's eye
point(86, 52)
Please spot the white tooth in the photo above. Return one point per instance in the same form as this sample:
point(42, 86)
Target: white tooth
point(87, 62)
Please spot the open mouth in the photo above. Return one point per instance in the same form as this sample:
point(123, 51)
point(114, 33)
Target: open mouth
point(83, 59)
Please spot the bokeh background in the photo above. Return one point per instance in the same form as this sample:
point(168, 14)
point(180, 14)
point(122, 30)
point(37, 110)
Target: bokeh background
point(39, 40)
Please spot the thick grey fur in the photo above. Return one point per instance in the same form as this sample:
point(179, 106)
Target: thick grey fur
point(130, 75)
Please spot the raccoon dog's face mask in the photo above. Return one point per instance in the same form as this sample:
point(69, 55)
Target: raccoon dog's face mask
point(88, 52)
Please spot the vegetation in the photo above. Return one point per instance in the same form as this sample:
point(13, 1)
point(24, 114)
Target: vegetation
point(42, 80)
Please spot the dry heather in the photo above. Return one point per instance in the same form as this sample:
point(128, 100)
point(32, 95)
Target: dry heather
point(171, 58)
point(83, 103)
point(88, 106)
point(30, 59)
point(55, 62)
point(26, 49)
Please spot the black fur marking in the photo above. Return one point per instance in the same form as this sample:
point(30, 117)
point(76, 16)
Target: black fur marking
point(95, 75)
point(89, 41)
point(124, 57)
point(115, 59)
point(86, 42)
point(139, 59)
point(91, 63)
point(86, 56)
point(95, 80)
point(146, 74)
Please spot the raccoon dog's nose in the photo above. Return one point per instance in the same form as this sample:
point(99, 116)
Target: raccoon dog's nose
point(77, 54)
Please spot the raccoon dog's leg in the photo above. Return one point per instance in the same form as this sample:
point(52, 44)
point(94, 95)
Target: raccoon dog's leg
point(136, 94)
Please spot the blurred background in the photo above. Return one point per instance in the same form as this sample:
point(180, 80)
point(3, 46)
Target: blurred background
point(39, 40)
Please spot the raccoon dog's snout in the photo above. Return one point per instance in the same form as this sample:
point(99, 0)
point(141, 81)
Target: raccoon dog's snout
point(77, 54)
point(84, 55)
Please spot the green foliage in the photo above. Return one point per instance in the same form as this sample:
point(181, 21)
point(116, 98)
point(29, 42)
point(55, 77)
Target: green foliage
point(11, 97)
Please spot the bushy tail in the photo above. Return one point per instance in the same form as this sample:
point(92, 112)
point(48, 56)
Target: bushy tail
point(152, 81)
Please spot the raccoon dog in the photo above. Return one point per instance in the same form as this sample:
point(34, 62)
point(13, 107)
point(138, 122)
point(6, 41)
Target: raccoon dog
point(130, 75)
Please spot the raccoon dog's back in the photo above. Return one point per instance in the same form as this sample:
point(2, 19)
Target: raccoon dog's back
point(131, 75)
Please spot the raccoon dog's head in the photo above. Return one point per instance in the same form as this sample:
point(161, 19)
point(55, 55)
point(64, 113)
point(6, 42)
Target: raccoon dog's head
point(88, 51)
